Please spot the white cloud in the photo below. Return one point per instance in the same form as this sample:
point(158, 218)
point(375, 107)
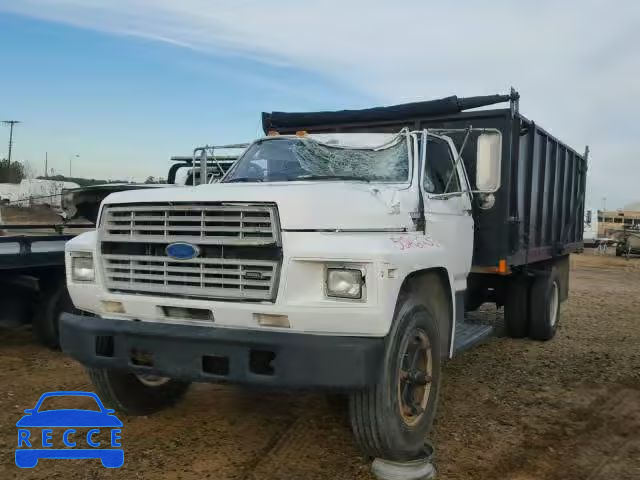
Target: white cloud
point(574, 62)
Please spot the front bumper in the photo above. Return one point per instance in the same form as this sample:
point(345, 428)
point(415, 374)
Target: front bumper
point(214, 354)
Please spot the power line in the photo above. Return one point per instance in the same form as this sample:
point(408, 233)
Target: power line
point(11, 123)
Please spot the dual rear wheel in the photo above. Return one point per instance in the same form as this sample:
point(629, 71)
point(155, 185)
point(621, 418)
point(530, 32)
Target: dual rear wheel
point(532, 306)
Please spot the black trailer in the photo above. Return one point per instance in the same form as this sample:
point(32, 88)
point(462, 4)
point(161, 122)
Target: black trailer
point(32, 278)
point(536, 220)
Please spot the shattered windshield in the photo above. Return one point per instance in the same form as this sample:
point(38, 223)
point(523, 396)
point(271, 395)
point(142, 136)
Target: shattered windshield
point(290, 159)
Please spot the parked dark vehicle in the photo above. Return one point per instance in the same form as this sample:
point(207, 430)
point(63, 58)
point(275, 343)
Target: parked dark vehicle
point(84, 202)
point(628, 245)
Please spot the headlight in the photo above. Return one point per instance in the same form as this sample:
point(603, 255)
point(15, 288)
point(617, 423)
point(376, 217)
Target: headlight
point(82, 268)
point(344, 283)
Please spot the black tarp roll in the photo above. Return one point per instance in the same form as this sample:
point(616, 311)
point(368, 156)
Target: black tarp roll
point(442, 106)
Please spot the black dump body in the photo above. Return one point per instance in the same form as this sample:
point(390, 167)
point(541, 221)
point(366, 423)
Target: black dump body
point(539, 207)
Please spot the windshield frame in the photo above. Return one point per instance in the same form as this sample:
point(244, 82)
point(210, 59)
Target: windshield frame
point(408, 138)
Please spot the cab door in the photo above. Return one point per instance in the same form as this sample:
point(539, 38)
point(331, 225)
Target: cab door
point(447, 205)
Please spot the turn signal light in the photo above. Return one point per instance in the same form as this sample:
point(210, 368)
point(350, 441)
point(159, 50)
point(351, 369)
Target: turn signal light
point(112, 307)
point(267, 320)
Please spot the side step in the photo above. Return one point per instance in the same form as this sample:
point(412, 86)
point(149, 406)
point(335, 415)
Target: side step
point(470, 334)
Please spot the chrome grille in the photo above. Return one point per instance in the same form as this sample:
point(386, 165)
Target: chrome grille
point(134, 260)
point(204, 277)
point(198, 224)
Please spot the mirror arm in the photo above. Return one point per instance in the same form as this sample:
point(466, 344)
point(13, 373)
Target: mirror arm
point(203, 166)
point(455, 164)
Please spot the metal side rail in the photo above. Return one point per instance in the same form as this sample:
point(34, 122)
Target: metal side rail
point(19, 252)
point(470, 334)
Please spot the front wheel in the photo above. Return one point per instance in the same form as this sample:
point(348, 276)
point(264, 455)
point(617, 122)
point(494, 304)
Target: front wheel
point(391, 419)
point(134, 394)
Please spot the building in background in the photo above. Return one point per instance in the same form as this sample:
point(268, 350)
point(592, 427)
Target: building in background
point(612, 223)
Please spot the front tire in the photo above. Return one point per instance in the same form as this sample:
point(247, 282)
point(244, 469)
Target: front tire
point(545, 306)
point(391, 418)
point(136, 395)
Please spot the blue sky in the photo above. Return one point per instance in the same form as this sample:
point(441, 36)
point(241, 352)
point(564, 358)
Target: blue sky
point(126, 104)
point(128, 83)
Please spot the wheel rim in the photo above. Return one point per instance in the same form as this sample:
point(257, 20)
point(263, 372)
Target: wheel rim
point(553, 305)
point(414, 384)
point(152, 380)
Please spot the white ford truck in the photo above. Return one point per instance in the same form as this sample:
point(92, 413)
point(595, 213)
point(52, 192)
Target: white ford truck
point(340, 252)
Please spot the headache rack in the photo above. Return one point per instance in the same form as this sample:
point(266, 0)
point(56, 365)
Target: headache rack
point(206, 163)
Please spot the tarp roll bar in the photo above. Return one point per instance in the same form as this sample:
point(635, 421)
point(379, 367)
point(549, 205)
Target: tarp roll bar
point(442, 106)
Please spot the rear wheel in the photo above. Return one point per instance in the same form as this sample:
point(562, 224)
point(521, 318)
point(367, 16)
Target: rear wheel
point(134, 394)
point(516, 307)
point(53, 299)
point(391, 419)
point(545, 305)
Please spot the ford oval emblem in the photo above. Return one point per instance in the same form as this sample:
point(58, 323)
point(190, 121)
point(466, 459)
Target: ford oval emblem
point(182, 251)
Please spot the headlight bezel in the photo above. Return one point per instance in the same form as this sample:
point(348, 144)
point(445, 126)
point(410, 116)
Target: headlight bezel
point(77, 259)
point(333, 293)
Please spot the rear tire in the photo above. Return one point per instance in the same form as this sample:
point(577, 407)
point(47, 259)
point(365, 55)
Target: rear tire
point(545, 305)
point(391, 418)
point(516, 307)
point(125, 392)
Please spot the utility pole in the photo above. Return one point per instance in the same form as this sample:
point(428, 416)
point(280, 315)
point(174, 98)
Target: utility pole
point(11, 123)
point(46, 164)
point(70, 159)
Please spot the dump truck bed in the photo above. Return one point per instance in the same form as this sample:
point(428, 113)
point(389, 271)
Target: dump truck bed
point(539, 207)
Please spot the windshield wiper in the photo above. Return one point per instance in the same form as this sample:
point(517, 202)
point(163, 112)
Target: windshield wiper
point(332, 177)
point(243, 179)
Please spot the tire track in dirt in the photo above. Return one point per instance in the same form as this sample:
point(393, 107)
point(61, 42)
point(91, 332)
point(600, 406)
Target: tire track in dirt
point(582, 443)
point(316, 445)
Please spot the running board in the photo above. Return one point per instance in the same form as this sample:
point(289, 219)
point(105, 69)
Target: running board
point(470, 334)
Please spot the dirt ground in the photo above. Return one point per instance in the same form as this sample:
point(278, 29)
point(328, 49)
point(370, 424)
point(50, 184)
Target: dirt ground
point(510, 409)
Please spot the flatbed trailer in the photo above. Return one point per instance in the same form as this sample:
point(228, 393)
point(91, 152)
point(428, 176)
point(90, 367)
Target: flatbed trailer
point(32, 277)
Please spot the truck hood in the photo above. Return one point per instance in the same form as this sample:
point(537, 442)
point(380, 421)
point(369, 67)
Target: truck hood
point(301, 205)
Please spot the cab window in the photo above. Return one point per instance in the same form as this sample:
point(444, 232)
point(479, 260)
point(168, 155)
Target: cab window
point(440, 175)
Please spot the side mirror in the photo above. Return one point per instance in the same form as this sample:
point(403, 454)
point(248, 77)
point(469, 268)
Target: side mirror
point(488, 162)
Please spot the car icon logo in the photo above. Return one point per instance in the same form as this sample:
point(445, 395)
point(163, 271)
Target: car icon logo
point(182, 251)
point(69, 425)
